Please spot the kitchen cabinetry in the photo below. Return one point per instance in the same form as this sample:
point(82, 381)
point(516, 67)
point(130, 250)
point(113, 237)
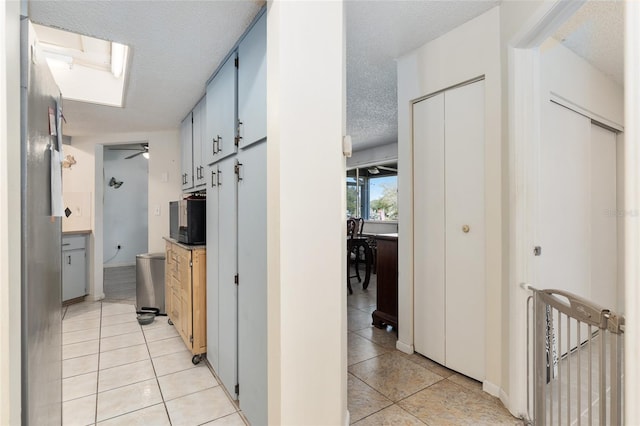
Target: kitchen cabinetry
point(236, 225)
point(222, 289)
point(74, 267)
point(186, 145)
point(221, 112)
point(252, 85)
point(386, 312)
point(199, 131)
point(185, 294)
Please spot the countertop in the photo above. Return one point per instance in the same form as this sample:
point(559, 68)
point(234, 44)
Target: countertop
point(186, 246)
point(79, 232)
point(393, 236)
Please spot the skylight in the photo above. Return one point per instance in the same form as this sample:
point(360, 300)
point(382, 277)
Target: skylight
point(86, 69)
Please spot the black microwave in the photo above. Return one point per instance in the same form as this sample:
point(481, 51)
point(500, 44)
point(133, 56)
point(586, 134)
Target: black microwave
point(188, 220)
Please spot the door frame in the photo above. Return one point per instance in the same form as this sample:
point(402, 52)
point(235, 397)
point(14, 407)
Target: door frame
point(524, 117)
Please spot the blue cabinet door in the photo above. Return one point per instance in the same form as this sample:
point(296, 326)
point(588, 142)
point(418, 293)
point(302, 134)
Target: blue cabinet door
point(213, 298)
point(198, 136)
point(227, 270)
point(186, 150)
point(221, 113)
point(252, 84)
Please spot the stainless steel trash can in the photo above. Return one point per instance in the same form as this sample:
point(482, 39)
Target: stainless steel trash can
point(150, 281)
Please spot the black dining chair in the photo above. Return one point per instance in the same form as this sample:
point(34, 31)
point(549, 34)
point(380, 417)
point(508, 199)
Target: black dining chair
point(354, 244)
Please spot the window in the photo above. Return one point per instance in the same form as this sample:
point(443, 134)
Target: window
point(372, 192)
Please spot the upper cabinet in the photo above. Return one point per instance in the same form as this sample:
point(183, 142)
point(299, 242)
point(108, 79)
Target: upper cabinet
point(199, 132)
point(186, 142)
point(221, 113)
point(252, 85)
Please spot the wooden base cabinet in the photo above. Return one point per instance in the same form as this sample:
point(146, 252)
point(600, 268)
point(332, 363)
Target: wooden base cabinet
point(386, 312)
point(185, 294)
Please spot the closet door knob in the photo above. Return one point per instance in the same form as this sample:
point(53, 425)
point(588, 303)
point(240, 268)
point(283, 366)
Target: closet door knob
point(465, 229)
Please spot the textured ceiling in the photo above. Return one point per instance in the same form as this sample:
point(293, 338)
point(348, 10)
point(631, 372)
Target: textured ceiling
point(176, 45)
point(377, 33)
point(596, 33)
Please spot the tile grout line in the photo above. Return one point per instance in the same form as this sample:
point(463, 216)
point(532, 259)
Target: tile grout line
point(155, 373)
point(98, 373)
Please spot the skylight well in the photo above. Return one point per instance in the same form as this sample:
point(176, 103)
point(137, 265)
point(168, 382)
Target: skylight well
point(86, 69)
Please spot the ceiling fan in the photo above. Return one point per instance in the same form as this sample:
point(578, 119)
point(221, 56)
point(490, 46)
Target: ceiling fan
point(143, 150)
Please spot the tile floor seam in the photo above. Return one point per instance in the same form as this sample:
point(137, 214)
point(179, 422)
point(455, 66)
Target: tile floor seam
point(126, 363)
point(98, 372)
point(192, 393)
point(155, 373)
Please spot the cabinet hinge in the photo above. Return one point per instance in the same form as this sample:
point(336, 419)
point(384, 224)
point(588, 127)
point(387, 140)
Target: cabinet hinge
point(191, 264)
point(237, 389)
point(236, 170)
point(236, 279)
point(237, 62)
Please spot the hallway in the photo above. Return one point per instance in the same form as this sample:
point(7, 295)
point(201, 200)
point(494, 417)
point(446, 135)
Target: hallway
point(389, 387)
point(116, 372)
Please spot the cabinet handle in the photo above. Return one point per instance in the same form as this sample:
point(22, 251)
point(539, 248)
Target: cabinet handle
point(66, 244)
point(219, 143)
point(213, 174)
point(219, 177)
point(69, 260)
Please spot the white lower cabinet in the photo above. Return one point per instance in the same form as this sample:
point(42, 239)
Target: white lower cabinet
point(74, 267)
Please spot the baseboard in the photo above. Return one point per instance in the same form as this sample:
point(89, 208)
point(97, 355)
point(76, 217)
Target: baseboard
point(403, 347)
point(491, 389)
point(95, 297)
point(117, 265)
point(347, 418)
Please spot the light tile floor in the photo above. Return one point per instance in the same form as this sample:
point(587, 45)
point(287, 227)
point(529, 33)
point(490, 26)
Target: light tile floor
point(116, 372)
point(388, 387)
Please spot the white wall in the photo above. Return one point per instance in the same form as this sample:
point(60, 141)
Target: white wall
point(469, 51)
point(10, 275)
point(307, 287)
point(125, 214)
point(566, 74)
point(164, 186)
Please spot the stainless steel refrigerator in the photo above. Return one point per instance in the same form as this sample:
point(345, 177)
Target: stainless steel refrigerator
point(41, 242)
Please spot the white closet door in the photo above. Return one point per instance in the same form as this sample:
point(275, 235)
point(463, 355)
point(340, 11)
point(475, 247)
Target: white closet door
point(227, 269)
point(429, 223)
point(465, 230)
point(213, 322)
point(604, 228)
point(565, 164)
point(449, 229)
point(252, 291)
